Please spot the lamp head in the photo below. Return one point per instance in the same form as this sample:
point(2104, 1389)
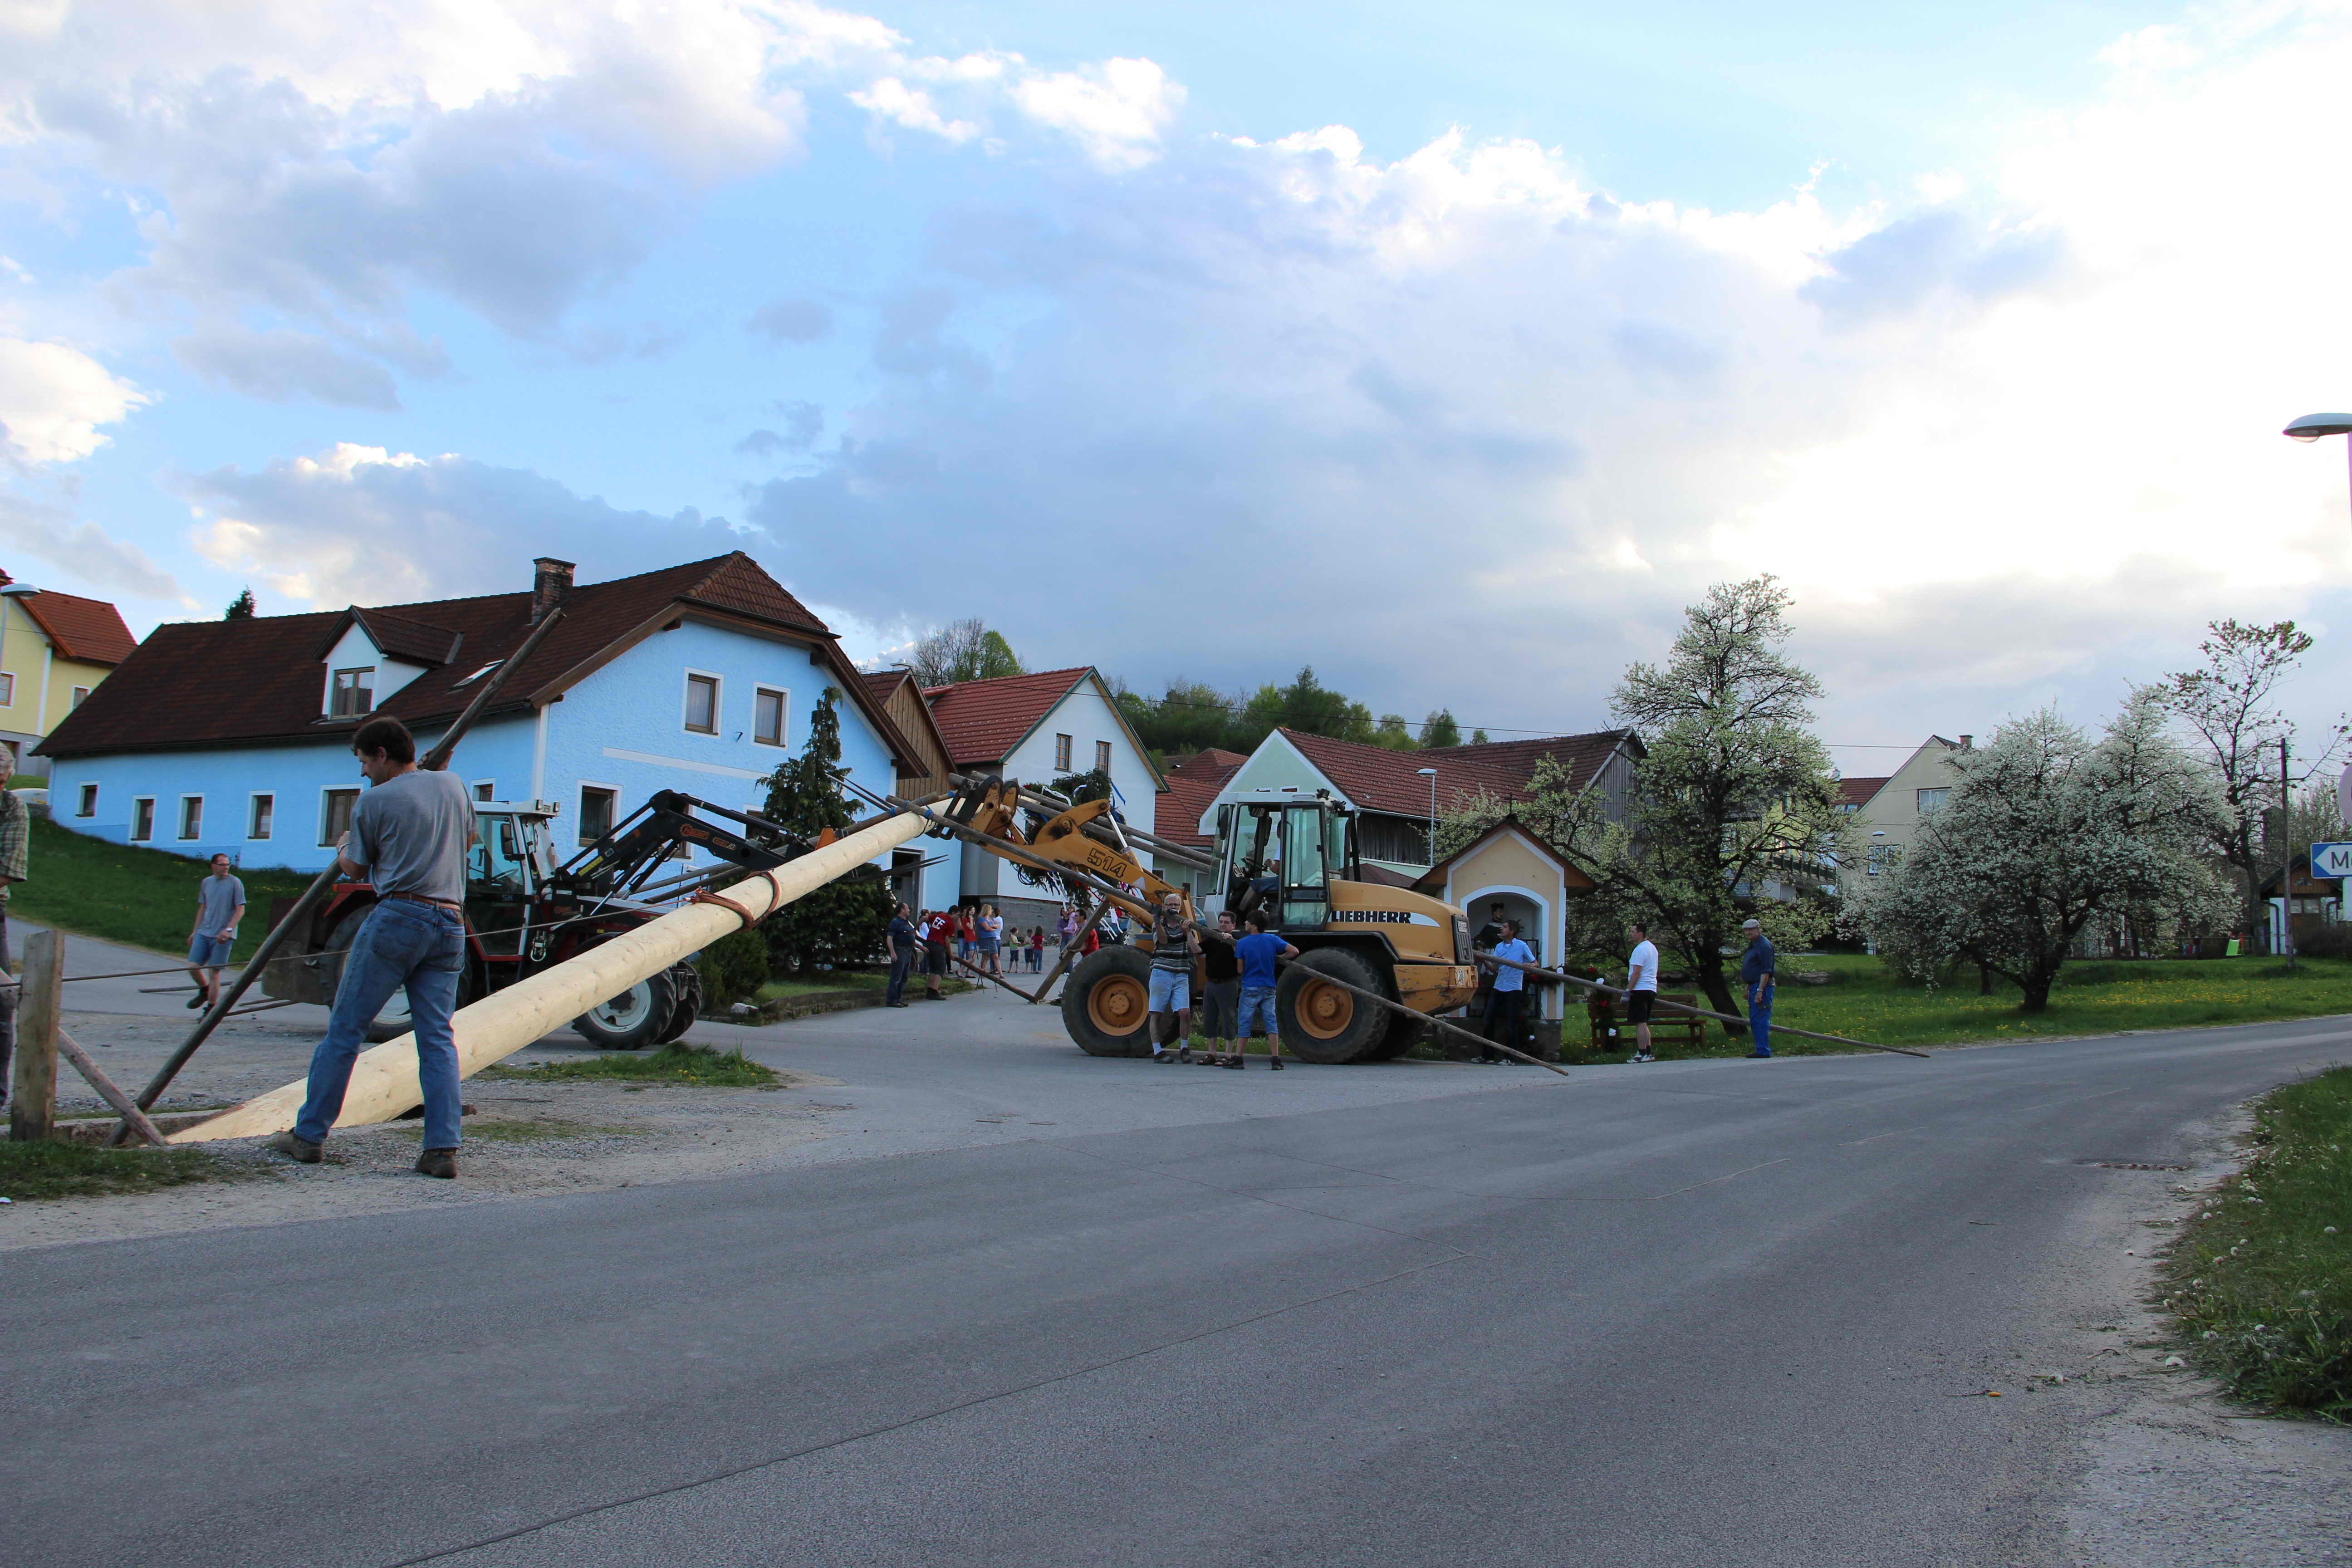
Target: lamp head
point(2312, 427)
point(1426, 772)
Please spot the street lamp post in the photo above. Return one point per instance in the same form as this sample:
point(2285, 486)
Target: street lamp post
point(1431, 774)
point(2312, 427)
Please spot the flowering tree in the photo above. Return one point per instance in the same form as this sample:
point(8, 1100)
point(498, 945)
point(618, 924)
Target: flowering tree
point(2046, 831)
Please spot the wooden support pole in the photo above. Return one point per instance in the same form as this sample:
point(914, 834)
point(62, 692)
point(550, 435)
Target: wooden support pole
point(124, 1106)
point(40, 996)
point(1070, 952)
point(1698, 1012)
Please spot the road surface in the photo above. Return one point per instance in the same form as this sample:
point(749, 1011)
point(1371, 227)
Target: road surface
point(1713, 1312)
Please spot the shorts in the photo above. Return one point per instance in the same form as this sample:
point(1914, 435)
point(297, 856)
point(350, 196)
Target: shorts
point(1221, 1005)
point(1171, 991)
point(1637, 1006)
point(935, 958)
point(1257, 1001)
point(988, 944)
point(209, 952)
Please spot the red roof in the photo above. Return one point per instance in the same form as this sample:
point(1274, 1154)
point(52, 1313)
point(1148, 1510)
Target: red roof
point(231, 683)
point(1377, 779)
point(90, 630)
point(982, 720)
point(1192, 783)
point(1857, 792)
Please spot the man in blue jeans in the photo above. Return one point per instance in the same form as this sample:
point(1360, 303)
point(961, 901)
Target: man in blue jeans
point(1259, 954)
point(902, 941)
point(1756, 974)
point(408, 839)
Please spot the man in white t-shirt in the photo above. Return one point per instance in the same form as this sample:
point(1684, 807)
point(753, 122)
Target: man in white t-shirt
point(1640, 989)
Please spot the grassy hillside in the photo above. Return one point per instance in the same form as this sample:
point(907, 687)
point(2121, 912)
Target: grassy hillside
point(146, 898)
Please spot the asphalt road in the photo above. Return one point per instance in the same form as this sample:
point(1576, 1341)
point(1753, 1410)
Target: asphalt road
point(1696, 1313)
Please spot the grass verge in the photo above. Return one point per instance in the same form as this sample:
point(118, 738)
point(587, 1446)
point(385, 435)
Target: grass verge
point(122, 892)
point(51, 1170)
point(2262, 1280)
point(700, 1064)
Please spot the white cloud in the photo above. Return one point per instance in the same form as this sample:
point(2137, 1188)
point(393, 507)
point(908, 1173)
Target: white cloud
point(1117, 112)
point(54, 397)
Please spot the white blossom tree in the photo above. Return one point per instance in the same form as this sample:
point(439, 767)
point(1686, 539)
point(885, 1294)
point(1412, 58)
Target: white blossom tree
point(2047, 831)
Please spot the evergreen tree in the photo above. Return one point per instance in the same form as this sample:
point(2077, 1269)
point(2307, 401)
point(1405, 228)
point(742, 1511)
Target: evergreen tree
point(1439, 730)
point(842, 922)
point(240, 608)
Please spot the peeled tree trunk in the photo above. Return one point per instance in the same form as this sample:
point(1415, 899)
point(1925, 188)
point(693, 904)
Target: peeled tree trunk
point(384, 1081)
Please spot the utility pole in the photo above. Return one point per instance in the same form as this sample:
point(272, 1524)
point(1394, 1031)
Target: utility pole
point(2286, 860)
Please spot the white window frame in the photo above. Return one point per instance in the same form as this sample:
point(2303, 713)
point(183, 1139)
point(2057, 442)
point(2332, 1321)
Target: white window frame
point(580, 797)
point(252, 811)
point(327, 793)
point(136, 802)
point(8, 689)
point(718, 701)
point(80, 695)
point(333, 675)
point(87, 800)
point(1065, 748)
point(183, 836)
point(484, 789)
point(784, 714)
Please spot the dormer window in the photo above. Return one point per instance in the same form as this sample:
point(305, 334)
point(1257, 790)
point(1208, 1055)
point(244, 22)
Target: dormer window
point(352, 694)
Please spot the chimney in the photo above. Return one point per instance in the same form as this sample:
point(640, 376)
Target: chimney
point(550, 585)
point(1968, 742)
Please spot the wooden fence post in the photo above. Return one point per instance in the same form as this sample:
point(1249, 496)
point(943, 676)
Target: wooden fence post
point(33, 1093)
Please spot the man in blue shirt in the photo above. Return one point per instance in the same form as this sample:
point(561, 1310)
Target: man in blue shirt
point(1259, 951)
point(1511, 989)
point(1756, 974)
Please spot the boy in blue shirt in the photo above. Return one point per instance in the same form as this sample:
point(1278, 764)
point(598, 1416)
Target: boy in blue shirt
point(1511, 989)
point(1259, 951)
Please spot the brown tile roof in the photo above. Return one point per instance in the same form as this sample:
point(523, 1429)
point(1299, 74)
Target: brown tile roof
point(230, 683)
point(417, 642)
point(1377, 779)
point(1857, 792)
point(1192, 783)
point(981, 721)
point(90, 630)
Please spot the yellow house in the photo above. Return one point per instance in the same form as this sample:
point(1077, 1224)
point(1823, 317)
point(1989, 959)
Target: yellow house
point(54, 650)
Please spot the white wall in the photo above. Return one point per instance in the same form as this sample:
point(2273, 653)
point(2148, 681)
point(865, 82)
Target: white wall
point(355, 650)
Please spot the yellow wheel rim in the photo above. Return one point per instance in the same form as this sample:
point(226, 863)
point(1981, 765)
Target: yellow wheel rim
point(1325, 1011)
point(1117, 1005)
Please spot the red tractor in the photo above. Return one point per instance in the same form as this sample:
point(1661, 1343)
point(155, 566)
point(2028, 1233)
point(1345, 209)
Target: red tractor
point(525, 911)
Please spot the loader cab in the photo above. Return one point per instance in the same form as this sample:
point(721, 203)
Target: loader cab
point(1281, 849)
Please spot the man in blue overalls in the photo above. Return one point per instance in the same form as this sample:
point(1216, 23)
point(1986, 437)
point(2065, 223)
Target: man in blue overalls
point(1756, 973)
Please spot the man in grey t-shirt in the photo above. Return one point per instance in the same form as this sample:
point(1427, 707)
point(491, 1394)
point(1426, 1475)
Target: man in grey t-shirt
point(408, 839)
point(220, 904)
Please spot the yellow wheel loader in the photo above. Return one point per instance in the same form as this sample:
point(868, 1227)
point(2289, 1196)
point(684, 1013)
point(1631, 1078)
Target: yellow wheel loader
point(1288, 856)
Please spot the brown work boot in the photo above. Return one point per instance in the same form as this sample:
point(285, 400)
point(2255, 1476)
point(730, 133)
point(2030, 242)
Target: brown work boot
point(441, 1162)
point(296, 1148)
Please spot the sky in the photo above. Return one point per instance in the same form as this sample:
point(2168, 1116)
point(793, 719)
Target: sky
point(1450, 350)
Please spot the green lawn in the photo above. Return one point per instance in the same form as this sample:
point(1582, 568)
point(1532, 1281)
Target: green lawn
point(2261, 1279)
point(52, 1170)
point(2092, 997)
point(145, 898)
point(699, 1065)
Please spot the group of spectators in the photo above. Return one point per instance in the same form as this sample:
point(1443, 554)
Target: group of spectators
point(975, 933)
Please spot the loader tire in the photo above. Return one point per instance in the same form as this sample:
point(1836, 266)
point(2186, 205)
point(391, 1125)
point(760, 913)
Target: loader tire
point(632, 1020)
point(1323, 1024)
point(1403, 1034)
point(687, 982)
point(1105, 1004)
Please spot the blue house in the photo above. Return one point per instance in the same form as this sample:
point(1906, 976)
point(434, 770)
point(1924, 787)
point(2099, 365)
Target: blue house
point(236, 735)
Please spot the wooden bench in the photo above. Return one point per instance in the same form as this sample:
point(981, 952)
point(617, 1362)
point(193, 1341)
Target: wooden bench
point(1608, 1012)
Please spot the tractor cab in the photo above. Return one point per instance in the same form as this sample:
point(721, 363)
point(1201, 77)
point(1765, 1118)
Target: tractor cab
point(1279, 851)
point(507, 866)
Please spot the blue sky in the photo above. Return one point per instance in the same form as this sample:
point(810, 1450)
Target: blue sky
point(1450, 349)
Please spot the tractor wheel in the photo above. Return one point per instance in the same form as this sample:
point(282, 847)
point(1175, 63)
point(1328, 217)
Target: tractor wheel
point(632, 1020)
point(686, 981)
point(1106, 1006)
point(1403, 1034)
point(1323, 1024)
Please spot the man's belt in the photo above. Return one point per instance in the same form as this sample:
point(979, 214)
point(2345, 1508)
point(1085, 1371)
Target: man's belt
point(449, 904)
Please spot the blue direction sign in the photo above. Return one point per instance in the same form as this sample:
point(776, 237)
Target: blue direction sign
point(2331, 859)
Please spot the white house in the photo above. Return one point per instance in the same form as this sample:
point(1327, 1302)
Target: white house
point(1039, 727)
